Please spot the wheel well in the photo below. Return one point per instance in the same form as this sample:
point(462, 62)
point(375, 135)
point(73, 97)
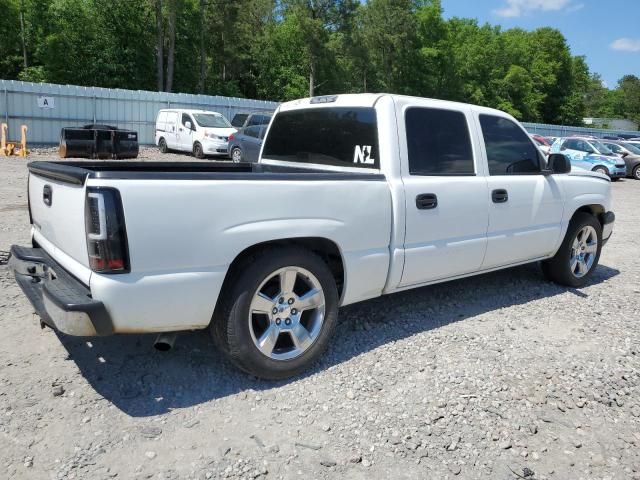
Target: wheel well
point(595, 210)
point(326, 249)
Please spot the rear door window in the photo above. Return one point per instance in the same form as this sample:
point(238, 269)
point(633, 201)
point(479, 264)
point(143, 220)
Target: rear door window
point(252, 131)
point(438, 142)
point(337, 136)
point(510, 151)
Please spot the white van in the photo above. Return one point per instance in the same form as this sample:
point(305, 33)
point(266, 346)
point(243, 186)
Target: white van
point(198, 131)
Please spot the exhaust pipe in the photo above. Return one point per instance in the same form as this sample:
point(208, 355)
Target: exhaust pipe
point(165, 341)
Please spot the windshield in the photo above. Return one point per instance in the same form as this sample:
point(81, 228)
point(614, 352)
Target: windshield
point(635, 149)
point(211, 120)
point(602, 149)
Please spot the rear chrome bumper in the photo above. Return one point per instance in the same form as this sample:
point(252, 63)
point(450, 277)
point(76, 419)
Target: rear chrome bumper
point(607, 220)
point(61, 301)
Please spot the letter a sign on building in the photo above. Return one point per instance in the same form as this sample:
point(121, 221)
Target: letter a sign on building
point(46, 102)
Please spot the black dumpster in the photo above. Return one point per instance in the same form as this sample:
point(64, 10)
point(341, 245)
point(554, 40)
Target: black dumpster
point(98, 141)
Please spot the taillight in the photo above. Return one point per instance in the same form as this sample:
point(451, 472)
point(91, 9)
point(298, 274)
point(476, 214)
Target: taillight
point(231, 137)
point(105, 229)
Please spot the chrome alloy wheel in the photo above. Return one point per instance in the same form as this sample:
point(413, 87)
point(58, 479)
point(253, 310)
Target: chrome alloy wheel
point(286, 313)
point(583, 251)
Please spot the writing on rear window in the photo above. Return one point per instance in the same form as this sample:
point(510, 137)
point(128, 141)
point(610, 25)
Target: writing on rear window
point(337, 136)
point(362, 154)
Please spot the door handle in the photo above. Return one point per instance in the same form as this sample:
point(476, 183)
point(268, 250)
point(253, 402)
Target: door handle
point(426, 201)
point(499, 195)
point(180, 129)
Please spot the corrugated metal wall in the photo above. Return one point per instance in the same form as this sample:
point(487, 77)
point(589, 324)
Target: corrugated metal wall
point(77, 106)
point(564, 131)
point(137, 109)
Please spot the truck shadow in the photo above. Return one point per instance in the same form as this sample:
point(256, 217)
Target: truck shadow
point(140, 381)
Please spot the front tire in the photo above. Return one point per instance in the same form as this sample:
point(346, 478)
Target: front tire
point(636, 172)
point(277, 314)
point(578, 256)
point(601, 169)
point(198, 152)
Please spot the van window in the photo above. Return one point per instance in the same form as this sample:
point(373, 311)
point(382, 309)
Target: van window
point(186, 118)
point(211, 120)
point(438, 142)
point(338, 136)
point(510, 151)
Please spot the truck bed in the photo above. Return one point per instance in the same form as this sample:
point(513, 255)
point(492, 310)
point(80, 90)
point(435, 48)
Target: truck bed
point(77, 172)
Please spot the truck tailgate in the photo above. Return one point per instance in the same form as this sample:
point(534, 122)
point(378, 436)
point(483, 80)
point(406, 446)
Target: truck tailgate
point(57, 212)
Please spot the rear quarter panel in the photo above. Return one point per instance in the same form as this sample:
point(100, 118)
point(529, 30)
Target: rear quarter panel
point(184, 234)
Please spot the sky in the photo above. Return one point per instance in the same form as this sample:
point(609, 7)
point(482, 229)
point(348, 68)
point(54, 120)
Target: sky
point(606, 32)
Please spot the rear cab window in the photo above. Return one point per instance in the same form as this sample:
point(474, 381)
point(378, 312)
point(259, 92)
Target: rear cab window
point(327, 136)
point(438, 142)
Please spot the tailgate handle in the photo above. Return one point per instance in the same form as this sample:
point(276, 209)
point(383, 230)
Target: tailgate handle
point(47, 195)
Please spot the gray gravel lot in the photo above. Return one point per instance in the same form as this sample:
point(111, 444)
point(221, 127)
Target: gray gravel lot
point(501, 376)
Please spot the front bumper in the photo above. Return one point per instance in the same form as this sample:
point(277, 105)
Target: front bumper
point(618, 172)
point(61, 301)
point(607, 220)
point(215, 147)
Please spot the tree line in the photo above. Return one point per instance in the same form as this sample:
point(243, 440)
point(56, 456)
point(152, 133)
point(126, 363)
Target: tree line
point(285, 49)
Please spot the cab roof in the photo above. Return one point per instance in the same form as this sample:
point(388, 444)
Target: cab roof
point(370, 100)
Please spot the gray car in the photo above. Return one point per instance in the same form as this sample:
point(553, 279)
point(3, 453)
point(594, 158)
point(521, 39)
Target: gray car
point(631, 154)
point(244, 145)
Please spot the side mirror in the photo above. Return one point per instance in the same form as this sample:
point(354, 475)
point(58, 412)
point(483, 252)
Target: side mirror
point(558, 163)
point(188, 125)
point(623, 154)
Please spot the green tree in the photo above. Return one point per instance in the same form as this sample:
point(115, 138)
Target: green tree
point(11, 58)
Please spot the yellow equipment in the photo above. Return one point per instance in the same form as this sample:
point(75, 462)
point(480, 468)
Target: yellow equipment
point(11, 148)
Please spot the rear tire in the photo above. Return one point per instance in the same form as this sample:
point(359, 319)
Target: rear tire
point(162, 145)
point(236, 155)
point(578, 256)
point(249, 321)
point(198, 152)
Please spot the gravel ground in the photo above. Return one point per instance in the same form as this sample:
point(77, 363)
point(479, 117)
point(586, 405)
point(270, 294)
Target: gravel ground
point(502, 376)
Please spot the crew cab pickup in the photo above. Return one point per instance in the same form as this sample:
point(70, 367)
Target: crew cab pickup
point(354, 196)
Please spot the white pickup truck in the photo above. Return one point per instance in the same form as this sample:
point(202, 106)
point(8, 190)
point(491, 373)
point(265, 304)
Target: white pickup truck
point(355, 196)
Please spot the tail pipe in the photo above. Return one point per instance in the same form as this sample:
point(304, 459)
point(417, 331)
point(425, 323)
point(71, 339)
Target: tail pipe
point(164, 342)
